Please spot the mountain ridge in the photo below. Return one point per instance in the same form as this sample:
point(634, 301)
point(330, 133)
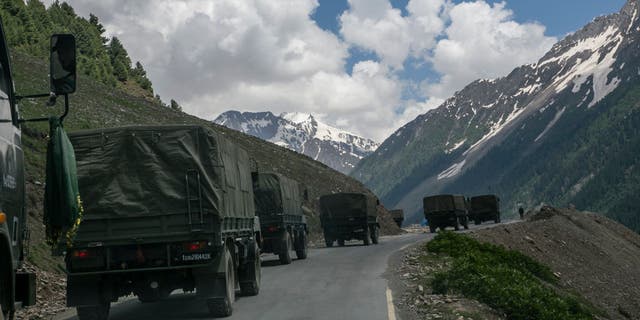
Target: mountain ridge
point(303, 133)
point(440, 150)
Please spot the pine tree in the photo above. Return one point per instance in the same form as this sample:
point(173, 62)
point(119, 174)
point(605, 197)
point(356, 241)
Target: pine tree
point(119, 59)
point(175, 106)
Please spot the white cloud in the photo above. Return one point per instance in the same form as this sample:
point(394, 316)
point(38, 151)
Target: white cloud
point(255, 55)
point(484, 41)
point(375, 25)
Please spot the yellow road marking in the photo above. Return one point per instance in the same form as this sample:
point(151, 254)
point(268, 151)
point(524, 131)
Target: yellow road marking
point(390, 308)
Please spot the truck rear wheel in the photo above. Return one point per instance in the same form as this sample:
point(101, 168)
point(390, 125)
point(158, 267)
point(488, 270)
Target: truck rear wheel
point(497, 220)
point(285, 248)
point(328, 243)
point(466, 222)
point(375, 234)
point(99, 312)
point(301, 248)
point(367, 236)
point(251, 274)
point(6, 288)
point(432, 228)
point(341, 242)
point(477, 221)
point(222, 306)
point(456, 225)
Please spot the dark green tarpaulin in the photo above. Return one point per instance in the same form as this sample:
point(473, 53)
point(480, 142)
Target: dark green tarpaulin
point(341, 205)
point(444, 202)
point(276, 194)
point(485, 203)
point(62, 207)
point(144, 170)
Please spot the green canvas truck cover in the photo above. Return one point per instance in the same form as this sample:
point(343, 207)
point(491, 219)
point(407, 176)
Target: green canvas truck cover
point(444, 202)
point(276, 194)
point(485, 203)
point(142, 170)
point(347, 204)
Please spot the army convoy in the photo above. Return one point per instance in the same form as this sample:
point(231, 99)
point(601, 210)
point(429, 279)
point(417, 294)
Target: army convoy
point(347, 216)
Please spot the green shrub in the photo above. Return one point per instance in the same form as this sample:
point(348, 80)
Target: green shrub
point(503, 279)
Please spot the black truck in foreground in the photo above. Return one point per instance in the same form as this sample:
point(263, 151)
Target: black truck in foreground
point(18, 288)
point(165, 208)
point(346, 216)
point(446, 210)
point(283, 225)
point(484, 208)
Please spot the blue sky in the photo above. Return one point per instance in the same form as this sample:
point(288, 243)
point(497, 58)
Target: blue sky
point(559, 18)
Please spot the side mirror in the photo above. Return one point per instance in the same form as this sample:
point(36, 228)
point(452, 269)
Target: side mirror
point(62, 70)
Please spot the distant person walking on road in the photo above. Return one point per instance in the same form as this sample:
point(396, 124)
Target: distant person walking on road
point(521, 212)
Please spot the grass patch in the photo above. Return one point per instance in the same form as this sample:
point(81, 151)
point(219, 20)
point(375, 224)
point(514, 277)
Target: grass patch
point(505, 280)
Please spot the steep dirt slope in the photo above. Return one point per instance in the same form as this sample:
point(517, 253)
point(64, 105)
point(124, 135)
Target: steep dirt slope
point(592, 255)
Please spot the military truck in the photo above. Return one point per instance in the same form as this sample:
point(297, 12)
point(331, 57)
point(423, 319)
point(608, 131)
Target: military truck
point(347, 216)
point(484, 208)
point(165, 208)
point(282, 223)
point(18, 288)
point(446, 210)
point(398, 216)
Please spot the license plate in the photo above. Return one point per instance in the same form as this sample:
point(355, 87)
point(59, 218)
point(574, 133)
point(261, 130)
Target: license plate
point(196, 257)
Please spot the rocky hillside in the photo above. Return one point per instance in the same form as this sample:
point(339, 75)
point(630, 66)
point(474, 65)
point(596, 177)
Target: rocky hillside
point(304, 134)
point(563, 130)
point(588, 253)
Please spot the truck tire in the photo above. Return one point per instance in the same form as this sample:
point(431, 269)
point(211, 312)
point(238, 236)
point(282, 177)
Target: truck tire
point(367, 236)
point(466, 222)
point(456, 225)
point(6, 289)
point(341, 242)
point(375, 235)
point(432, 228)
point(497, 220)
point(301, 248)
point(285, 248)
point(477, 221)
point(223, 306)
point(99, 312)
point(251, 274)
point(328, 243)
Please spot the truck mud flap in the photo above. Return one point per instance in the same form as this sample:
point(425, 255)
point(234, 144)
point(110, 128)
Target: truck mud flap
point(26, 288)
point(84, 291)
point(210, 280)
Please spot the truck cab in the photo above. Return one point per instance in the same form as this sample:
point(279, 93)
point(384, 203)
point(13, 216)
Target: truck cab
point(18, 288)
point(12, 196)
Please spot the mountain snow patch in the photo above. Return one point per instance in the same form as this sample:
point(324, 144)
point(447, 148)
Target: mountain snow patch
point(551, 124)
point(452, 171)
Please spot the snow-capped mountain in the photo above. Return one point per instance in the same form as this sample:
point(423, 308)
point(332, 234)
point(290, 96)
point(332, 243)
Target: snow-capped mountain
point(302, 133)
point(561, 130)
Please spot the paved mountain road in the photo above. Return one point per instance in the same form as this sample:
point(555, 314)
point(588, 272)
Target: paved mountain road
point(333, 283)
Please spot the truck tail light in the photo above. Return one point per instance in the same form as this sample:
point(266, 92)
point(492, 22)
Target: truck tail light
point(272, 228)
point(83, 254)
point(195, 246)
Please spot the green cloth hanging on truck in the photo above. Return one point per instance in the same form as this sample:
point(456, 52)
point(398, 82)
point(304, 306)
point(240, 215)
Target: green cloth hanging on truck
point(62, 204)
